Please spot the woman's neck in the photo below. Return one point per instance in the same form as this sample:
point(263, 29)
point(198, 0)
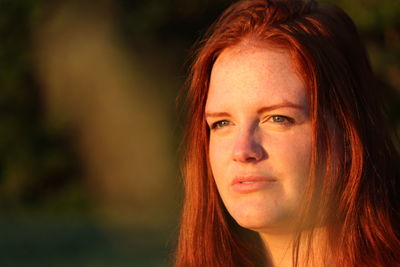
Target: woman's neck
point(280, 248)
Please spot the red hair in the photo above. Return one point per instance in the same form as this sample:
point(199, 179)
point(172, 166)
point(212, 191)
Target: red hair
point(353, 153)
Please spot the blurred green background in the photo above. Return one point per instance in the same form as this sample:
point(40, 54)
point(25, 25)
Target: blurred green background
point(89, 132)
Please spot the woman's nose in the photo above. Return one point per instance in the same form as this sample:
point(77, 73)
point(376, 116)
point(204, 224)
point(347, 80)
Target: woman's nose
point(248, 148)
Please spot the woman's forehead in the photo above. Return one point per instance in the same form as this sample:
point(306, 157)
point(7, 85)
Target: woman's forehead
point(255, 74)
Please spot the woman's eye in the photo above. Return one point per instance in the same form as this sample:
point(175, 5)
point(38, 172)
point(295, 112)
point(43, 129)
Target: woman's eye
point(220, 124)
point(281, 119)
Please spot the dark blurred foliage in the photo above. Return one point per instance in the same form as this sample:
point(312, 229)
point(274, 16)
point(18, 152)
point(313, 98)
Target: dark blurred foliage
point(379, 25)
point(41, 170)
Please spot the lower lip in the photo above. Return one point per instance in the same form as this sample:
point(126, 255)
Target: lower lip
point(251, 187)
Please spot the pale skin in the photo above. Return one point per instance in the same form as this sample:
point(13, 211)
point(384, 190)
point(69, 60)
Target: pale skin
point(260, 141)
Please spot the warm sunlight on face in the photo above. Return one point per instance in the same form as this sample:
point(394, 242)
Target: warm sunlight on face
point(260, 136)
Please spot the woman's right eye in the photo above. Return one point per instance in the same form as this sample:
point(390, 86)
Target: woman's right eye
point(220, 124)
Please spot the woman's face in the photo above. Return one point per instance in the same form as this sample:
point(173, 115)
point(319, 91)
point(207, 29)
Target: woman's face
point(260, 136)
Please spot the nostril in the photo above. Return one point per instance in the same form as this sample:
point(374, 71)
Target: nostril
point(248, 146)
point(252, 153)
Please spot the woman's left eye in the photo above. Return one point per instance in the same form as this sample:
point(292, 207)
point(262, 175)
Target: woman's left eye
point(281, 119)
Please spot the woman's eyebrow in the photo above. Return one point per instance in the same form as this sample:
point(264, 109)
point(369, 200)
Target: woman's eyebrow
point(217, 114)
point(285, 104)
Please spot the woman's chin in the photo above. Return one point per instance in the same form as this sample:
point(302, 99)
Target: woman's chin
point(266, 224)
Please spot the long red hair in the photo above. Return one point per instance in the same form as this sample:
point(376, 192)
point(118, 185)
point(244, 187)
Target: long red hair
point(354, 180)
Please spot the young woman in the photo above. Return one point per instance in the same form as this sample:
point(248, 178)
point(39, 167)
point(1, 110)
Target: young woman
point(288, 160)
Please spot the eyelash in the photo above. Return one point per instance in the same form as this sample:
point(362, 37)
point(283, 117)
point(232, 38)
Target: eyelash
point(218, 124)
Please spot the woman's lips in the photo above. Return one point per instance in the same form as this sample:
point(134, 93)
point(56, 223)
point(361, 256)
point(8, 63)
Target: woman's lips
point(249, 184)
